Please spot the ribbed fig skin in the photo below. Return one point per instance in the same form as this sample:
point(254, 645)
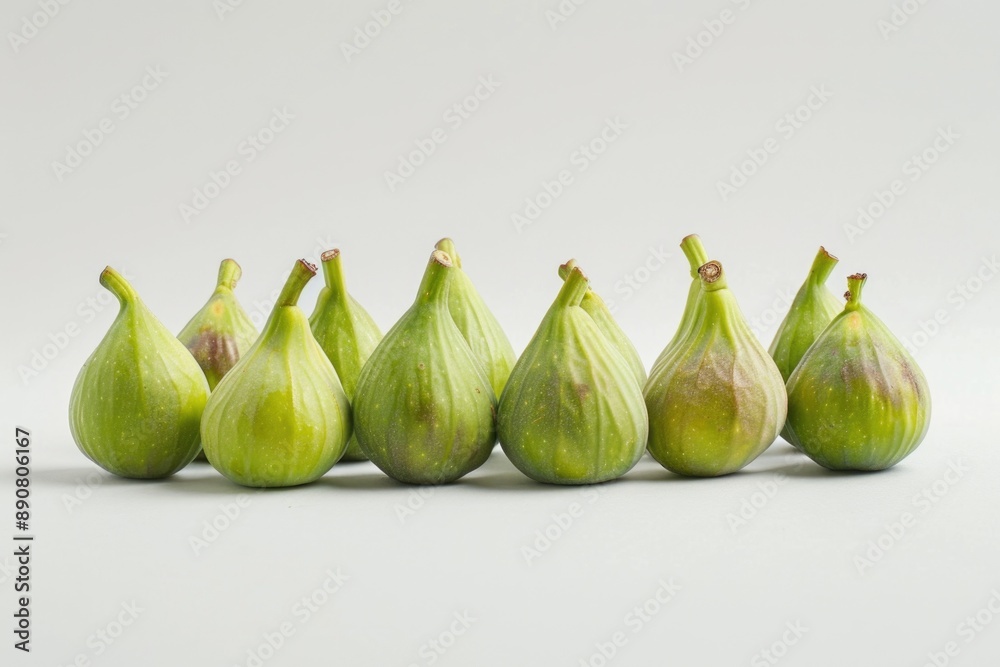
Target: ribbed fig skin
point(694, 250)
point(137, 403)
point(346, 332)
point(280, 417)
point(424, 409)
point(221, 330)
point(857, 400)
point(479, 327)
point(598, 310)
point(572, 411)
point(716, 401)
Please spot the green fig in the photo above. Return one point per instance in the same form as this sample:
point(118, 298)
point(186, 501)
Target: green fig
point(280, 417)
point(599, 312)
point(345, 331)
point(138, 400)
point(813, 308)
point(424, 409)
point(716, 401)
point(479, 327)
point(572, 412)
point(694, 250)
point(221, 331)
point(857, 400)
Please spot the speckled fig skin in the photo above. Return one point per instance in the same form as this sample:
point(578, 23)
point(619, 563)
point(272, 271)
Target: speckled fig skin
point(599, 312)
point(694, 250)
point(221, 331)
point(479, 327)
point(424, 409)
point(137, 403)
point(857, 400)
point(572, 411)
point(280, 417)
point(345, 331)
point(716, 401)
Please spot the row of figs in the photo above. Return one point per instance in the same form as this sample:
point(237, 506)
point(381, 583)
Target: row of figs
point(428, 401)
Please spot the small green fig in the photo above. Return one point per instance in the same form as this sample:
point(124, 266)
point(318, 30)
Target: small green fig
point(280, 417)
point(716, 401)
point(599, 312)
point(694, 250)
point(345, 331)
point(857, 400)
point(813, 308)
point(221, 331)
point(572, 412)
point(477, 323)
point(424, 409)
point(138, 400)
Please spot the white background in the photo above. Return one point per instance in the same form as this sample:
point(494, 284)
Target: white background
point(321, 183)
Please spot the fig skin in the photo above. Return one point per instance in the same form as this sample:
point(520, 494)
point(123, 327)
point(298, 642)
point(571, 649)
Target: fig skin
point(479, 327)
point(572, 411)
point(424, 408)
point(594, 305)
point(345, 331)
point(716, 401)
point(857, 400)
point(137, 403)
point(694, 250)
point(221, 331)
point(280, 417)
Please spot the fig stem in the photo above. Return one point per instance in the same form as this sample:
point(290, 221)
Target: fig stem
point(565, 269)
point(855, 285)
point(301, 274)
point(115, 283)
point(448, 246)
point(333, 271)
point(574, 289)
point(822, 266)
point(229, 274)
point(712, 276)
point(434, 285)
point(694, 250)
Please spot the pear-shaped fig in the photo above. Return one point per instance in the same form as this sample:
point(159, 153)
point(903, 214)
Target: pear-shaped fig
point(345, 331)
point(138, 400)
point(716, 401)
point(694, 250)
point(424, 409)
point(479, 327)
point(813, 308)
point(857, 400)
point(280, 417)
point(601, 314)
point(572, 411)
